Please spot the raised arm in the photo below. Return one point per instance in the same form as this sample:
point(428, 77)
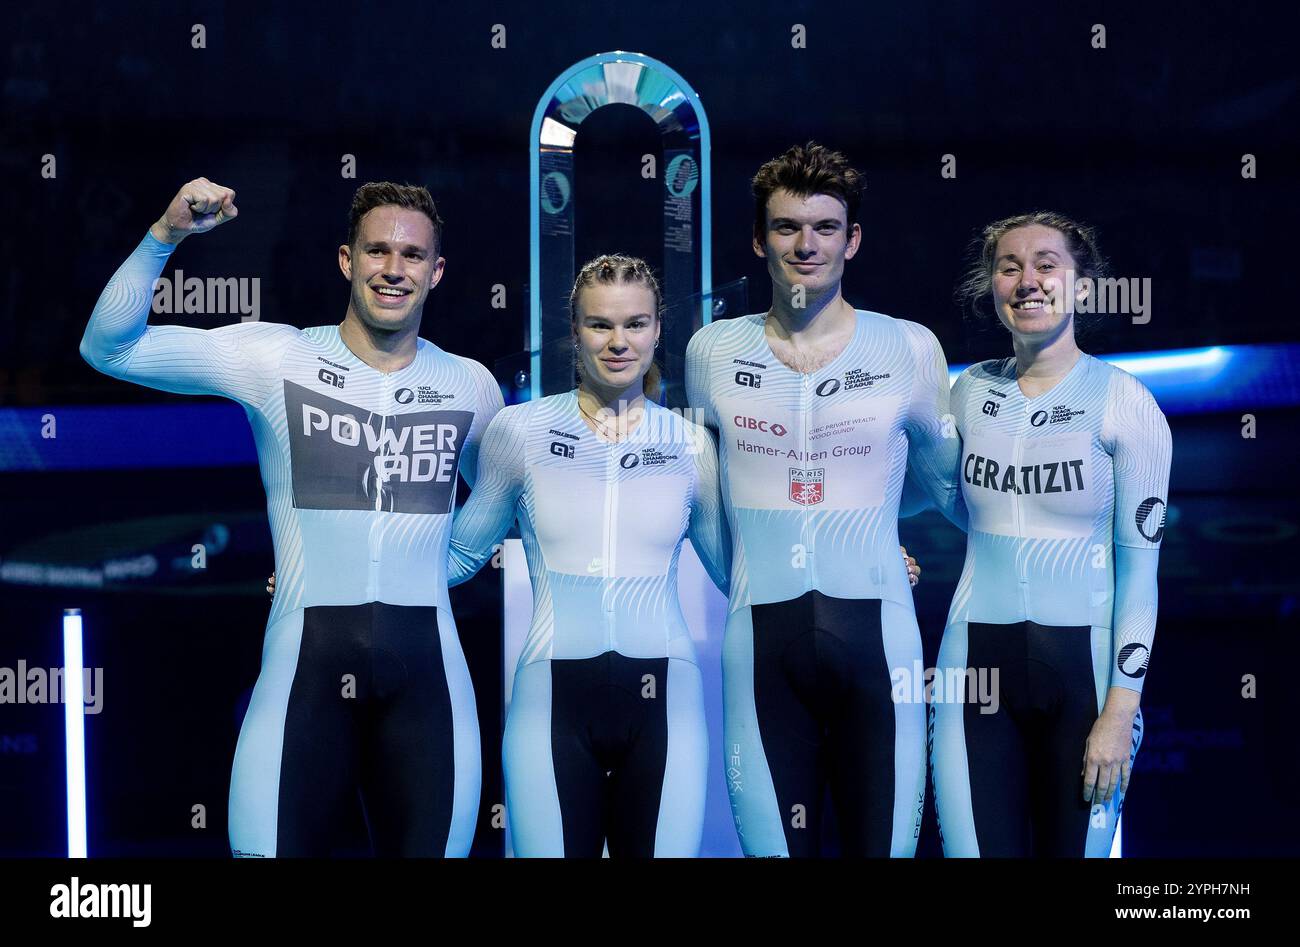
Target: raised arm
point(485, 518)
point(236, 361)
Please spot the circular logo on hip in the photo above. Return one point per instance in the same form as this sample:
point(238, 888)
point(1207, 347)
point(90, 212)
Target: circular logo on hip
point(555, 192)
point(404, 395)
point(1133, 659)
point(1150, 518)
point(682, 176)
point(628, 461)
point(828, 387)
point(1038, 418)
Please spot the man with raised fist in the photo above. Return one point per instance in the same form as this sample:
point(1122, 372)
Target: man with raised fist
point(361, 428)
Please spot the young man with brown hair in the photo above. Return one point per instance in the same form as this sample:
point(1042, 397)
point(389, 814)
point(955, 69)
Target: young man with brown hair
point(820, 408)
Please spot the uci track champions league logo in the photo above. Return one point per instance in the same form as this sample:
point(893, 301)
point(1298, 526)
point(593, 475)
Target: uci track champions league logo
point(1150, 519)
point(345, 458)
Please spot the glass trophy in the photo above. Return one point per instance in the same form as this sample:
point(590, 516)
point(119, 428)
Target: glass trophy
point(681, 170)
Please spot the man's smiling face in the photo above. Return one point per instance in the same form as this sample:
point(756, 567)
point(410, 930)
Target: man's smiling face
point(392, 266)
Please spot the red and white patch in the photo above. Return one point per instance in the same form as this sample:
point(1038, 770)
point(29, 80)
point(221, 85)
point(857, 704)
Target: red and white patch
point(806, 486)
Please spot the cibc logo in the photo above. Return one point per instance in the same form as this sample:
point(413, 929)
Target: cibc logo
point(749, 379)
point(330, 378)
point(755, 424)
point(561, 449)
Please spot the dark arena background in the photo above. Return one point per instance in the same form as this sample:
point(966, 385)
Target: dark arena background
point(1172, 129)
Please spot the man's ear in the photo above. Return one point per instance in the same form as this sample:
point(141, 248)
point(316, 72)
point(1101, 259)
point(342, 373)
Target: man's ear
point(855, 241)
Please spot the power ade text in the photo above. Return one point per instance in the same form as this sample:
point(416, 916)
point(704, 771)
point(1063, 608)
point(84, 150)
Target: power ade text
point(348, 458)
point(1064, 476)
point(432, 446)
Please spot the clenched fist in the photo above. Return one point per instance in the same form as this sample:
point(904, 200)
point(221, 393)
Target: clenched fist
point(197, 207)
